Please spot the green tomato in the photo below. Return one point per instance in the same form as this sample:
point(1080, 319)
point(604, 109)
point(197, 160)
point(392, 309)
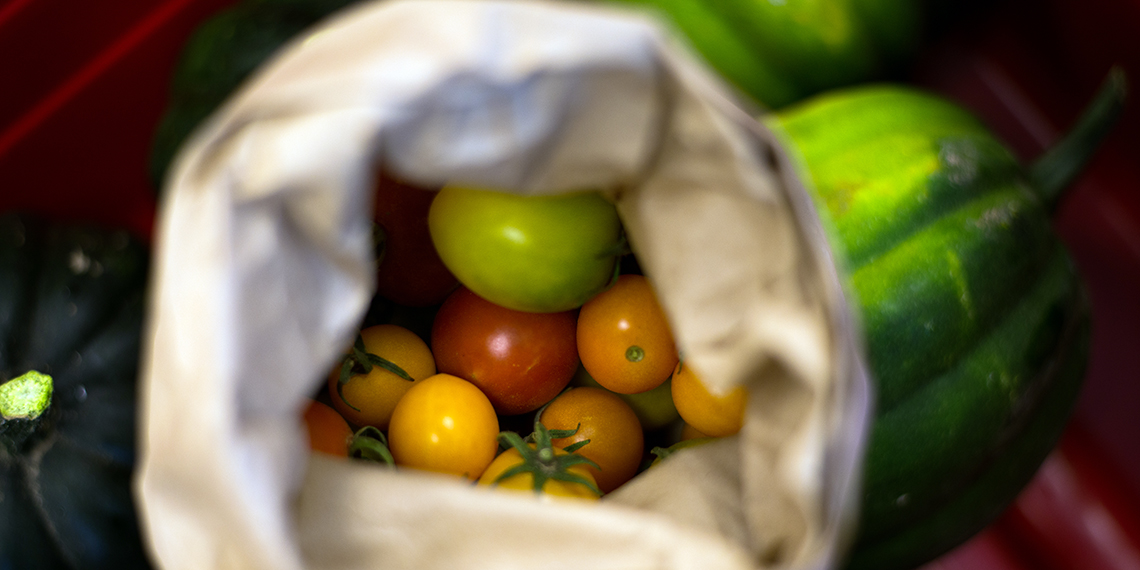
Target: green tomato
point(539, 254)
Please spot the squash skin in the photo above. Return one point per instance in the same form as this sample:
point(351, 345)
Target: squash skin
point(781, 52)
point(71, 306)
point(976, 321)
point(774, 53)
point(219, 56)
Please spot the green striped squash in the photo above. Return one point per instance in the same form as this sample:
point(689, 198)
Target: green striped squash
point(976, 323)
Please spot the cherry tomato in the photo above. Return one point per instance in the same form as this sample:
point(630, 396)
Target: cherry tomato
point(328, 431)
point(369, 398)
point(616, 438)
point(689, 432)
point(624, 339)
point(444, 424)
point(529, 253)
point(654, 408)
point(410, 271)
point(709, 414)
point(520, 360)
point(525, 481)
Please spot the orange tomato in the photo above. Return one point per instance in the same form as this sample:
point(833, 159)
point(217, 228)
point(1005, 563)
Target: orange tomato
point(710, 414)
point(615, 434)
point(525, 481)
point(328, 432)
point(654, 408)
point(445, 424)
point(369, 398)
point(689, 432)
point(624, 339)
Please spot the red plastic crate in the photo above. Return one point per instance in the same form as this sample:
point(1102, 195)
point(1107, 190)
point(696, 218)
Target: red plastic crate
point(85, 85)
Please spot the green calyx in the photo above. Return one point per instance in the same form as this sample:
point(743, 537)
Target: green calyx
point(369, 444)
point(541, 460)
point(25, 397)
point(664, 453)
point(360, 361)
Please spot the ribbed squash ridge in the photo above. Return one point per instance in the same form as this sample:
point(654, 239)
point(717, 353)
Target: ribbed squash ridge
point(975, 320)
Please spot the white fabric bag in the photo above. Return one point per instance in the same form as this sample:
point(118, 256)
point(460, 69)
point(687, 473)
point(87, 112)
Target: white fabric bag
point(263, 273)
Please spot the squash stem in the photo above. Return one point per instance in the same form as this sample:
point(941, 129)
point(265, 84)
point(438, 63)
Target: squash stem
point(23, 401)
point(26, 396)
point(1059, 166)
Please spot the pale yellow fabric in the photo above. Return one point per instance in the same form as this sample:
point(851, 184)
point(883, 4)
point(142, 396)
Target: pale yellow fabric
point(263, 272)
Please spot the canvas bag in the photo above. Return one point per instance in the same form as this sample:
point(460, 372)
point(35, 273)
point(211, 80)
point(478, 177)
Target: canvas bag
point(263, 272)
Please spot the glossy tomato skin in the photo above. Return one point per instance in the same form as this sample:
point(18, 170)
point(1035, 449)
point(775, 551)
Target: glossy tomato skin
point(711, 415)
point(611, 426)
point(410, 271)
point(654, 408)
point(444, 424)
point(529, 253)
point(519, 360)
point(329, 433)
point(624, 338)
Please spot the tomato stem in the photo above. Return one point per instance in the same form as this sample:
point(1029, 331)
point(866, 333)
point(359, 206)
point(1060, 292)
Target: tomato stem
point(635, 353)
point(542, 462)
point(369, 443)
point(618, 249)
point(360, 361)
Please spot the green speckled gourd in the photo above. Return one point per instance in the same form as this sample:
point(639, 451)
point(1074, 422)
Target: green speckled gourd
point(976, 323)
point(71, 310)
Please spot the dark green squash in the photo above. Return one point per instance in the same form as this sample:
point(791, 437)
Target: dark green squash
point(71, 307)
point(219, 56)
point(780, 52)
point(976, 321)
point(776, 52)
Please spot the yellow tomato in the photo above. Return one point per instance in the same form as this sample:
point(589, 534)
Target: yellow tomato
point(445, 424)
point(369, 398)
point(710, 414)
point(525, 481)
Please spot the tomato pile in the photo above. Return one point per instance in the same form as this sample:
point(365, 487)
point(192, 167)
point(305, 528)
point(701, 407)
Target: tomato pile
point(512, 341)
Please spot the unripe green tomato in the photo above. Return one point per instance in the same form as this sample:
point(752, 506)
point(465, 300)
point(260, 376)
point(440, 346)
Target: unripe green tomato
point(540, 254)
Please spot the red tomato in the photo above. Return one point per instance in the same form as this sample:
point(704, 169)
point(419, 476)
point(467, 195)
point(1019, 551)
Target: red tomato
point(410, 271)
point(520, 360)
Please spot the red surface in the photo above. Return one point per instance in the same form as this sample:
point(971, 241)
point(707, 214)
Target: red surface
point(80, 103)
